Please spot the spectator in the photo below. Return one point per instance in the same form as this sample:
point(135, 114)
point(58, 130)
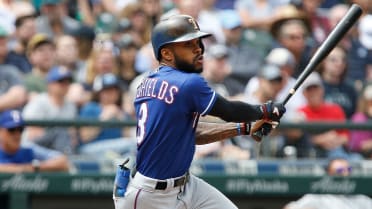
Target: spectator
point(270, 83)
point(365, 38)
point(215, 69)
point(335, 167)
point(53, 19)
point(153, 9)
point(140, 23)
point(209, 20)
point(84, 36)
point(128, 50)
point(4, 51)
point(25, 29)
point(256, 14)
point(285, 60)
point(327, 143)
point(101, 60)
point(67, 54)
point(16, 157)
point(13, 94)
point(291, 29)
point(239, 49)
point(358, 57)
point(91, 11)
point(337, 88)
point(41, 53)
point(53, 105)
point(127, 69)
point(361, 140)
point(106, 105)
point(319, 21)
point(205, 21)
point(338, 167)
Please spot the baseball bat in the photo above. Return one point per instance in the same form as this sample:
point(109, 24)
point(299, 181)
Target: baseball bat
point(324, 49)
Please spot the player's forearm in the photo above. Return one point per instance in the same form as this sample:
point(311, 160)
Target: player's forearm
point(14, 98)
point(16, 168)
point(211, 132)
point(56, 164)
point(87, 134)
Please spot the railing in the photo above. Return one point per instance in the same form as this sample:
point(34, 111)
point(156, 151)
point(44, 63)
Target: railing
point(310, 126)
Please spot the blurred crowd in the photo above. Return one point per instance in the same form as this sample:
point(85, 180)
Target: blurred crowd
point(69, 59)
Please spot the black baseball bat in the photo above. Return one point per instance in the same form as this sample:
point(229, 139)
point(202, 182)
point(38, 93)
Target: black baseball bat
point(325, 48)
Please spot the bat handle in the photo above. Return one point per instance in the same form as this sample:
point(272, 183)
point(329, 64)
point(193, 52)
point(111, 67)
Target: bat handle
point(256, 133)
point(257, 136)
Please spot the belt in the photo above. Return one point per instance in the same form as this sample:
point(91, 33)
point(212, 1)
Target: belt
point(162, 185)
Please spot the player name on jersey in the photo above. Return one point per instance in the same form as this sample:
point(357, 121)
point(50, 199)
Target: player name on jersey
point(162, 90)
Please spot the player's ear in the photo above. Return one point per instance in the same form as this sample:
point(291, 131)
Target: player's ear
point(166, 54)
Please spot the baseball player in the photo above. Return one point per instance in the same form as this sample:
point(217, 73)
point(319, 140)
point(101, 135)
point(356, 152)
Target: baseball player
point(169, 102)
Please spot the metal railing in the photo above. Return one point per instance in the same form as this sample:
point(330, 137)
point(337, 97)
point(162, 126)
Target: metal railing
point(310, 126)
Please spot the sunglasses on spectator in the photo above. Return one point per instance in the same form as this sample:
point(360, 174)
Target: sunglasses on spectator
point(342, 170)
point(312, 87)
point(16, 129)
point(276, 80)
point(335, 59)
point(65, 81)
point(294, 37)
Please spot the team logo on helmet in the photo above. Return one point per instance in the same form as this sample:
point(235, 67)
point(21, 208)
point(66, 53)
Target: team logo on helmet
point(193, 22)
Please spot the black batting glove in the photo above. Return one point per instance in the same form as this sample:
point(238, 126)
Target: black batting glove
point(272, 111)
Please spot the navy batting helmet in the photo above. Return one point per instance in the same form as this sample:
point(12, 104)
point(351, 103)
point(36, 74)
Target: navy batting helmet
point(177, 28)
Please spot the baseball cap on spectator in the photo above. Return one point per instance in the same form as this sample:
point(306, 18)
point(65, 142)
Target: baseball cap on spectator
point(57, 73)
point(104, 81)
point(106, 23)
point(11, 119)
point(230, 19)
point(286, 13)
point(280, 57)
point(217, 51)
point(365, 31)
point(50, 2)
point(37, 40)
point(126, 41)
point(83, 31)
point(313, 79)
point(270, 72)
point(124, 25)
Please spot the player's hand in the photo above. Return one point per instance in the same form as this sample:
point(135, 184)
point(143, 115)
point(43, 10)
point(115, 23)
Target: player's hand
point(272, 111)
point(262, 128)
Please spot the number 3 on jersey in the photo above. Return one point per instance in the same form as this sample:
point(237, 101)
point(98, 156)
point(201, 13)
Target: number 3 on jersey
point(142, 118)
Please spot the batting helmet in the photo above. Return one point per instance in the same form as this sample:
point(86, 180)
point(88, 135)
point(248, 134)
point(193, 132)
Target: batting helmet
point(177, 28)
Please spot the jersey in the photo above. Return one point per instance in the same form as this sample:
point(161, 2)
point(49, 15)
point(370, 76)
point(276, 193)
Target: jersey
point(327, 112)
point(23, 155)
point(168, 105)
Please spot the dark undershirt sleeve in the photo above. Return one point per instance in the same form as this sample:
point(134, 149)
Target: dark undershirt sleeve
point(235, 111)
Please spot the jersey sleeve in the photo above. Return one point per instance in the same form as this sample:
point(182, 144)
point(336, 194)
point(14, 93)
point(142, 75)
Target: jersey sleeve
point(200, 96)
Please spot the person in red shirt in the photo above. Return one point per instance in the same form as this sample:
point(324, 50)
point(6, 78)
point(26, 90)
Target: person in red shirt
point(327, 143)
